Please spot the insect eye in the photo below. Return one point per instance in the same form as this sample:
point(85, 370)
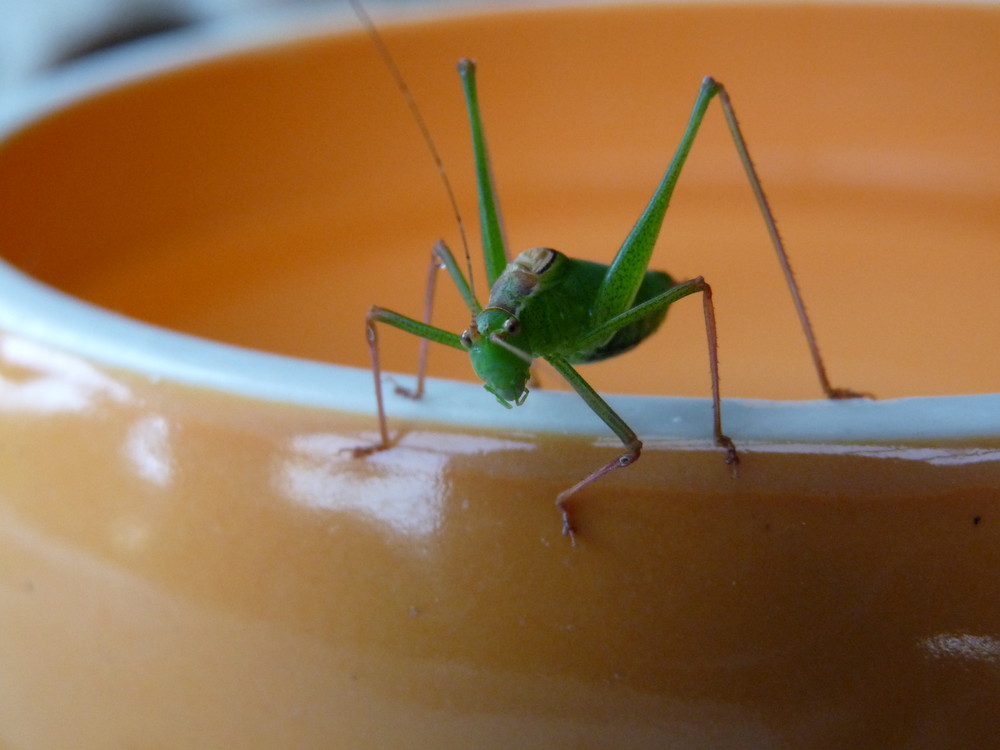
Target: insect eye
point(466, 339)
point(512, 325)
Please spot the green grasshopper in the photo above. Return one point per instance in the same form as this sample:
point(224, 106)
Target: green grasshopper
point(567, 311)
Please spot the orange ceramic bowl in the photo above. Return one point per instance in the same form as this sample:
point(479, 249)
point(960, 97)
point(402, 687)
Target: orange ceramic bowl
point(193, 231)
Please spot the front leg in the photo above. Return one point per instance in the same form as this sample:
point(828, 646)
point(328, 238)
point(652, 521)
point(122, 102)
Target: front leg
point(375, 314)
point(417, 391)
point(711, 333)
point(633, 446)
point(651, 306)
point(409, 325)
point(629, 457)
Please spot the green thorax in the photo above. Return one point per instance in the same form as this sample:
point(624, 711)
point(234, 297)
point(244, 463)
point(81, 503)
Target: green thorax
point(551, 296)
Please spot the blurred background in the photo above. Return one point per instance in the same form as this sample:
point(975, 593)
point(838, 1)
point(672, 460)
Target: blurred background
point(37, 35)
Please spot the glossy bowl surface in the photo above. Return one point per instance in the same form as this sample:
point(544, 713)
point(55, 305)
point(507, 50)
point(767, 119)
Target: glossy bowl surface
point(188, 556)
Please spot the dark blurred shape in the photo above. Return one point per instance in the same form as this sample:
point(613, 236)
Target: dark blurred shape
point(133, 26)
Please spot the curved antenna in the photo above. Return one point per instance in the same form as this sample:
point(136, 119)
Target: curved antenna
point(498, 340)
point(425, 131)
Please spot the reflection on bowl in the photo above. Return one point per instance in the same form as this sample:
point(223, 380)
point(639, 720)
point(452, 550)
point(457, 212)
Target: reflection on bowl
point(190, 555)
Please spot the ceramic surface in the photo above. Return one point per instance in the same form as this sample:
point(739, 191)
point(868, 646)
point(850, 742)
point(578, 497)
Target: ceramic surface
point(188, 556)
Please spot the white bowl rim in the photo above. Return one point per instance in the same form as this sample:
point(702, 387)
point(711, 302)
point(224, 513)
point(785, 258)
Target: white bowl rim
point(32, 311)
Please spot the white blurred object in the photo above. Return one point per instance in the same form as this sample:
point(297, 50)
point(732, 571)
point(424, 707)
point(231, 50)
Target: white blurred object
point(38, 34)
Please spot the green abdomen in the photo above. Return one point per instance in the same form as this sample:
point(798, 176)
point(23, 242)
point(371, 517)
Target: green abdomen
point(653, 283)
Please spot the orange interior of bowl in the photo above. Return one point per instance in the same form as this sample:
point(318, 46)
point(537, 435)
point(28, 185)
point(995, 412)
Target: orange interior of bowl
point(269, 201)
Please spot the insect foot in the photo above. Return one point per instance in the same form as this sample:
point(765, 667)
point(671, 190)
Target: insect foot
point(837, 394)
point(567, 529)
point(411, 393)
point(732, 457)
point(625, 459)
point(360, 451)
point(567, 526)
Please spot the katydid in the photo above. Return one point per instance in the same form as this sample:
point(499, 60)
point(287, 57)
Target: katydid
point(544, 304)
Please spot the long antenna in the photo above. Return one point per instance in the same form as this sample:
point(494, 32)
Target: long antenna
point(425, 131)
